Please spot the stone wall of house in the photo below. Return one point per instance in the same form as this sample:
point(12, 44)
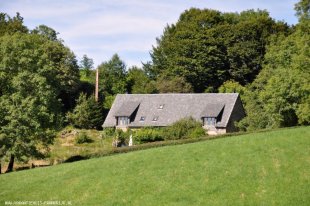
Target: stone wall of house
point(217, 131)
point(237, 114)
point(211, 130)
point(124, 128)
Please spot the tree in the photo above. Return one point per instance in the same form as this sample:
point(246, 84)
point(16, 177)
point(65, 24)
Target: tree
point(10, 25)
point(279, 97)
point(207, 47)
point(46, 31)
point(86, 64)
point(30, 116)
point(231, 86)
point(173, 85)
point(302, 9)
point(138, 82)
point(36, 53)
point(36, 76)
point(112, 79)
point(87, 114)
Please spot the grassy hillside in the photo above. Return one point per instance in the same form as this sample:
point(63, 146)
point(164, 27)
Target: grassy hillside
point(271, 168)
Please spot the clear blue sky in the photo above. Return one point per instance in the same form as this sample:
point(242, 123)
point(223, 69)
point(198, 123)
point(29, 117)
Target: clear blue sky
point(100, 28)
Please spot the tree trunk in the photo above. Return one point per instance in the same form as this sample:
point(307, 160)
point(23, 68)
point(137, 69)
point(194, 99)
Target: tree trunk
point(11, 164)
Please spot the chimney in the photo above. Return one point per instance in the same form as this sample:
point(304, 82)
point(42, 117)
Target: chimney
point(97, 85)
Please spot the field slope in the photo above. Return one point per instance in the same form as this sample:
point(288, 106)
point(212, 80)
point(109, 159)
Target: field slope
point(269, 168)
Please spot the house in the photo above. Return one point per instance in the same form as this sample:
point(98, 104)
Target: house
point(216, 111)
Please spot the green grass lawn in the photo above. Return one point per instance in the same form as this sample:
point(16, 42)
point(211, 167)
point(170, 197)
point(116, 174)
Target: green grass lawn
point(269, 168)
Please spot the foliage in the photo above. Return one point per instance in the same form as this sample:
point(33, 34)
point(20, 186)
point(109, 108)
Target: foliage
point(108, 132)
point(112, 79)
point(138, 82)
point(87, 114)
point(83, 138)
point(189, 174)
point(184, 128)
point(120, 138)
point(207, 47)
point(302, 9)
point(145, 135)
point(120, 135)
point(108, 101)
point(35, 72)
point(197, 132)
point(86, 64)
point(29, 117)
point(112, 76)
point(10, 25)
point(280, 94)
point(37, 54)
point(173, 85)
point(232, 86)
point(47, 32)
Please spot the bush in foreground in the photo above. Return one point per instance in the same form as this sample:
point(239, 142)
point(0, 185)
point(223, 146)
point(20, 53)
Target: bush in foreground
point(145, 135)
point(83, 138)
point(184, 128)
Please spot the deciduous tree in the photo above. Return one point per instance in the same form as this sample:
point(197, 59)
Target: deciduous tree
point(207, 47)
point(37, 74)
point(138, 82)
point(30, 116)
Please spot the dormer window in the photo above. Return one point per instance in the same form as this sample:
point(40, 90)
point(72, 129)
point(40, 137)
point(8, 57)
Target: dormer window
point(142, 118)
point(155, 118)
point(212, 114)
point(161, 106)
point(122, 121)
point(209, 121)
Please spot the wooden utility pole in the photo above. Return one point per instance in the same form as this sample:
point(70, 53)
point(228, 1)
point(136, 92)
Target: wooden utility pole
point(97, 85)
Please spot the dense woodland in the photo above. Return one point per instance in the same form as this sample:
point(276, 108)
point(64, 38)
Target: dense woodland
point(43, 87)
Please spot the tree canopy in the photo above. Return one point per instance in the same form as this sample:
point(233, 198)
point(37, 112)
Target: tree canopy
point(280, 95)
point(86, 64)
point(87, 114)
point(138, 82)
point(207, 47)
point(112, 79)
point(37, 77)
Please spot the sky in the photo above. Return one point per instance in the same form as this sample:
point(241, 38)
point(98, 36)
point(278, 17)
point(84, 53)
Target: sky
point(101, 28)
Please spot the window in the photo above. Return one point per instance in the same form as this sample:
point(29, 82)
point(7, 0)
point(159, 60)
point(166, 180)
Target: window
point(209, 121)
point(155, 118)
point(142, 118)
point(161, 106)
point(123, 121)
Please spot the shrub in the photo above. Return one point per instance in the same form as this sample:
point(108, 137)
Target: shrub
point(120, 135)
point(83, 138)
point(148, 135)
point(196, 133)
point(184, 128)
point(120, 138)
point(108, 132)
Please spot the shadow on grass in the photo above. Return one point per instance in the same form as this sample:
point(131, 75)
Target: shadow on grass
point(75, 158)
